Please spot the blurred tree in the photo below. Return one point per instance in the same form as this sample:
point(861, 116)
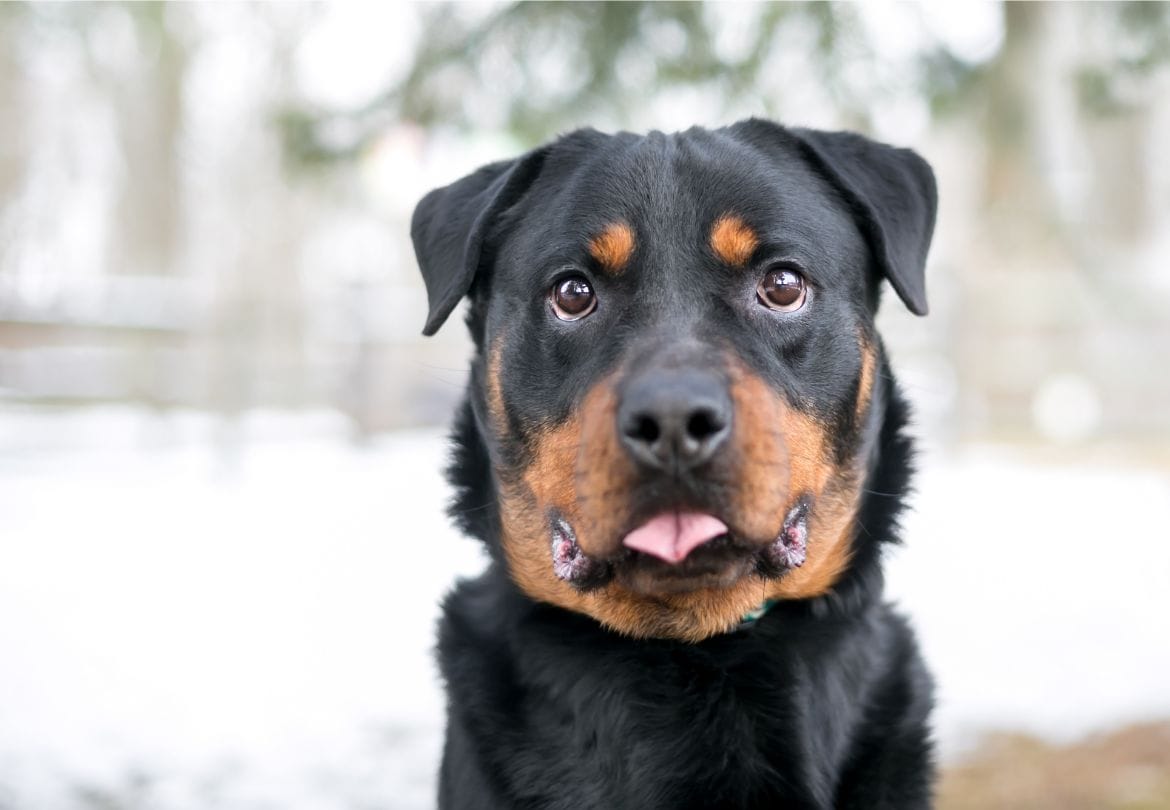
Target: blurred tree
point(149, 109)
point(1063, 116)
point(538, 68)
point(13, 144)
point(10, 166)
point(112, 42)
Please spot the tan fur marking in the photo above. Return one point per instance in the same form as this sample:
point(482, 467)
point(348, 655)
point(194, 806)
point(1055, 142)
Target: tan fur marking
point(833, 491)
point(830, 529)
point(865, 383)
point(604, 475)
point(495, 396)
point(760, 447)
point(733, 240)
point(613, 247)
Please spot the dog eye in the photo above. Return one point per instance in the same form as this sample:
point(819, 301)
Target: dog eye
point(572, 298)
point(782, 289)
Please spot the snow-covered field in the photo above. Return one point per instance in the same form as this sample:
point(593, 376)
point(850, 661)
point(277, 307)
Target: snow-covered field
point(242, 618)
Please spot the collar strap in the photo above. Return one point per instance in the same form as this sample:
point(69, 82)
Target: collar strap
point(754, 615)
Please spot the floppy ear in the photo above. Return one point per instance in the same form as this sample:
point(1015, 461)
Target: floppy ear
point(892, 194)
point(450, 225)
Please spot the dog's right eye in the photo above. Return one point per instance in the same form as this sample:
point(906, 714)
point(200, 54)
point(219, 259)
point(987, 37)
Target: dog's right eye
point(572, 298)
point(782, 289)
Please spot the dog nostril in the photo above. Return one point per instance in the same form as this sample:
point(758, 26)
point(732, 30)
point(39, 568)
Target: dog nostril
point(644, 429)
point(702, 424)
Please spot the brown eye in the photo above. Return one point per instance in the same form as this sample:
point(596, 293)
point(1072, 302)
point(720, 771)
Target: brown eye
point(782, 289)
point(572, 298)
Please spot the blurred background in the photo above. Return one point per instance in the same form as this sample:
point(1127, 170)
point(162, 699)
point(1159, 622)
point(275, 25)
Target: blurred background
point(221, 532)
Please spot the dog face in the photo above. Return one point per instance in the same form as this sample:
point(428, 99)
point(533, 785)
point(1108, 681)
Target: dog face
point(677, 372)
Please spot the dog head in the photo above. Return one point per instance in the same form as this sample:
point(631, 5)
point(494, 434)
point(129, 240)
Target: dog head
point(676, 376)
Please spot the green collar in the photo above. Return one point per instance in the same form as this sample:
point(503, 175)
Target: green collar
point(752, 616)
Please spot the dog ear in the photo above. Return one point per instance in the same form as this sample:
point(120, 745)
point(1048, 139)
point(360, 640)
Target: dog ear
point(893, 196)
point(450, 225)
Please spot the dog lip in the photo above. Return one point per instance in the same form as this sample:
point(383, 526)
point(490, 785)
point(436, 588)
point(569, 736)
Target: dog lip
point(570, 563)
point(790, 548)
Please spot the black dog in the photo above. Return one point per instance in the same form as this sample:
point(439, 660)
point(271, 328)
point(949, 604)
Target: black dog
point(683, 447)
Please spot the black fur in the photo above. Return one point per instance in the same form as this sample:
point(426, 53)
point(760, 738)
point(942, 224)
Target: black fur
point(822, 703)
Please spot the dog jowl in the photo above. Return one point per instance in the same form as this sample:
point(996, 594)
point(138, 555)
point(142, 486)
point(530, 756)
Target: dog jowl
point(678, 406)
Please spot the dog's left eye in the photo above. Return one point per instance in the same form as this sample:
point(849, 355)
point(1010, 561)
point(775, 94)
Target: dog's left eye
point(782, 289)
point(572, 298)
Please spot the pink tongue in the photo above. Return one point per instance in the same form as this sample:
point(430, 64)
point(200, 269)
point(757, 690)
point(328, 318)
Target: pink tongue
point(673, 535)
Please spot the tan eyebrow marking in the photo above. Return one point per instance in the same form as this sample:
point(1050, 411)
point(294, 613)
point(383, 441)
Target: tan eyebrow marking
point(733, 240)
point(613, 247)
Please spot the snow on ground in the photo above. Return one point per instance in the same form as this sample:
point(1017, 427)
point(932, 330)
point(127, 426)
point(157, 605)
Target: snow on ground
point(1040, 592)
point(252, 626)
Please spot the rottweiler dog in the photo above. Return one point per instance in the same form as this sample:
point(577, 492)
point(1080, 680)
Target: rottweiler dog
point(683, 447)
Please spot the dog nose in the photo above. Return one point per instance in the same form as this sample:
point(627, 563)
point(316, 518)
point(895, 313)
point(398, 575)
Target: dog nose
point(674, 419)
